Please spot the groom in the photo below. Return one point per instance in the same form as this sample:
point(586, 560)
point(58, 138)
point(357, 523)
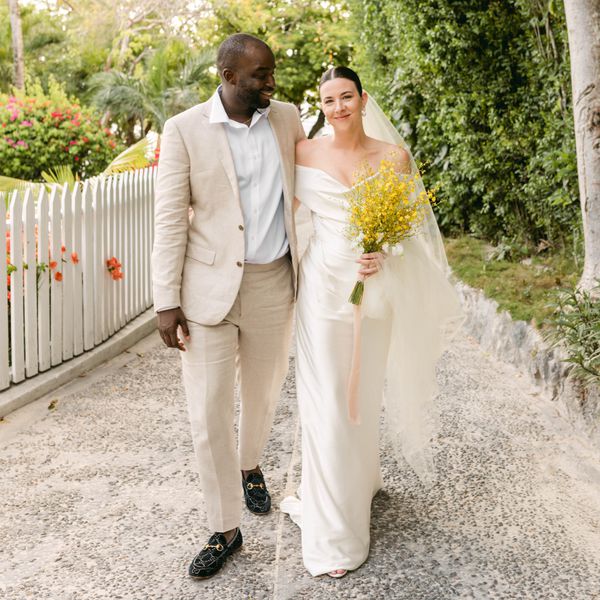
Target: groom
point(224, 272)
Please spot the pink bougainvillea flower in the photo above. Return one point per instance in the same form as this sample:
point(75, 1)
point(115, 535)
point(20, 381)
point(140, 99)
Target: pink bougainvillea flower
point(26, 123)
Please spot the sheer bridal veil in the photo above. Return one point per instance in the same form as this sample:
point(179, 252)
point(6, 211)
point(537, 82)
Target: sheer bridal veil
point(425, 315)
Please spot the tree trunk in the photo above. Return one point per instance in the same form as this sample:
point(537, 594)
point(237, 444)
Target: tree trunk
point(17, 44)
point(583, 24)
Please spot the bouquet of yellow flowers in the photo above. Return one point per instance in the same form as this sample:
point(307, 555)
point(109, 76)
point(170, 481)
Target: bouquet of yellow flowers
point(383, 210)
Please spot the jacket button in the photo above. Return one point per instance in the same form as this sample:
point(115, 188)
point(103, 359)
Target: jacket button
point(239, 264)
point(241, 228)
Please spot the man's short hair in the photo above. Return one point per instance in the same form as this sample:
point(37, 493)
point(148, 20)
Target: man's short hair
point(233, 48)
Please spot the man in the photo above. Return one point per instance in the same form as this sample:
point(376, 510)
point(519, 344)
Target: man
point(224, 273)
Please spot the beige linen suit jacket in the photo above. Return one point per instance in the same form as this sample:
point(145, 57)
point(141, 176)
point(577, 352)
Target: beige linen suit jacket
point(198, 255)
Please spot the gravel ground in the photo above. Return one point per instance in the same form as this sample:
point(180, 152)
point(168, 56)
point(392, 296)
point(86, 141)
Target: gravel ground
point(99, 497)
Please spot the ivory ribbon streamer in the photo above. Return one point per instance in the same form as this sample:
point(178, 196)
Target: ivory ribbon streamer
point(354, 379)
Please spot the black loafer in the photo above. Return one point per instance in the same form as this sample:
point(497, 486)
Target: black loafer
point(258, 499)
point(213, 556)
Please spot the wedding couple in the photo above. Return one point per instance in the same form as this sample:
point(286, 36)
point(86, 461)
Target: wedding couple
point(226, 277)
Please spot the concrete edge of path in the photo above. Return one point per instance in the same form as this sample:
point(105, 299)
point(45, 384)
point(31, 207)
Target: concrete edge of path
point(29, 390)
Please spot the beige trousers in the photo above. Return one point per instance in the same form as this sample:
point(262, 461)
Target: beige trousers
point(252, 344)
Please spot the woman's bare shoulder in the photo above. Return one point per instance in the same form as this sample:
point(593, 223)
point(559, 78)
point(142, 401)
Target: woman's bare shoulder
point(397, 154)
point(306, 150)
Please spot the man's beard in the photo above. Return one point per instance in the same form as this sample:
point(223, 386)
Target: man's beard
point(253, 99)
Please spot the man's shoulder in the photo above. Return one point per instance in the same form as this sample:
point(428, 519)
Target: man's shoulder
point(190, 115)
point(286, 108)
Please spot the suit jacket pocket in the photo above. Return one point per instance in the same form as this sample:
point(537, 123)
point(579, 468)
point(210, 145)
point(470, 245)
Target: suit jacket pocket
point(203, 255)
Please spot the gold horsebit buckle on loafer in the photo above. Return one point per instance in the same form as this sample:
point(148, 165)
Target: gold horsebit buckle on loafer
point(251, 486)
point(218, 547)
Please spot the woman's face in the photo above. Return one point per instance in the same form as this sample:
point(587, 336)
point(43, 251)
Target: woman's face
point(341, 103)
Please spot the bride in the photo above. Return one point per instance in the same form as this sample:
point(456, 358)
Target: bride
point(409, 312)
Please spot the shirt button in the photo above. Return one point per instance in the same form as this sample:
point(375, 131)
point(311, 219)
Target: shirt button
point(239, 264)
point(241, 227)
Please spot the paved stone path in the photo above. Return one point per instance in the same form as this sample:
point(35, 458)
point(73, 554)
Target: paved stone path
point(99, 498)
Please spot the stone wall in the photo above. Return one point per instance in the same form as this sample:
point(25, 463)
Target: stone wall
point(522, 345)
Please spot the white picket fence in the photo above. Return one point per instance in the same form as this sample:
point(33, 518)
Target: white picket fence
point(48, 321)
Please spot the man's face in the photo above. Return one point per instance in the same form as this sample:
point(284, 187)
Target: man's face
point(253, 77)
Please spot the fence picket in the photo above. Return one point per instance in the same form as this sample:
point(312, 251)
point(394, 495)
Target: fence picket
point(149, 233)
point(4, 333)
point(43, 282)
point(121, 248)
point(17, 345)
point(67, 272)
point(132, 282)
point(30, 280)
point(56, 288)
point(111, 250)
point(73, 258)
point(87, 267)
point(143, 237)
point(99, 241)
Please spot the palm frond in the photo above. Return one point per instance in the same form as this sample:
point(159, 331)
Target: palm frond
point(61, 175)
point(122, 95)
point(196, 67)
point(9, 184)
point(134, 157)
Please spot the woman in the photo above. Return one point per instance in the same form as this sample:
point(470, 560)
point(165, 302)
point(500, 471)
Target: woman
point(408, 309)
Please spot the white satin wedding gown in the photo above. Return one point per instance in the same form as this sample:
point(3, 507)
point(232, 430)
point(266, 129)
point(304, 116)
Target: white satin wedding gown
point(340, 461)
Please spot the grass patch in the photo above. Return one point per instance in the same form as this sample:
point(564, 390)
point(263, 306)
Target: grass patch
point(522, 287)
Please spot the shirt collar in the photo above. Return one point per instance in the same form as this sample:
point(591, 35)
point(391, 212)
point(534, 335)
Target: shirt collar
point(219, 115)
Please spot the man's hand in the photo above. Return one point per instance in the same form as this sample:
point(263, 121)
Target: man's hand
point(168, 323)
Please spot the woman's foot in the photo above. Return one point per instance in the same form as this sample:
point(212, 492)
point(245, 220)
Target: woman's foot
point(337, 573)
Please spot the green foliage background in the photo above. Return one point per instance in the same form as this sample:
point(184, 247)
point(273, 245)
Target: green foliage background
point(481, 91)
point(41, 131)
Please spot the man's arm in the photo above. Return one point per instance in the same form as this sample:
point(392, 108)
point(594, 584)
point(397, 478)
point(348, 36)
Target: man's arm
point(300, 135)
point(172, 202)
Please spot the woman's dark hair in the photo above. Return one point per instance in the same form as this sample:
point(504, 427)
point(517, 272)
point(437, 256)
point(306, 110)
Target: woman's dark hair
point(342, 73)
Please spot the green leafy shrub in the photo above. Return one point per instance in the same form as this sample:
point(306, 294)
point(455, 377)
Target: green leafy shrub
point(576, 324)
point(481, 90)
point(39, 132)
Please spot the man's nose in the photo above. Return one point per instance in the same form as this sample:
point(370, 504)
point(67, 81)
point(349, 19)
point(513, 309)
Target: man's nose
point(271, 81)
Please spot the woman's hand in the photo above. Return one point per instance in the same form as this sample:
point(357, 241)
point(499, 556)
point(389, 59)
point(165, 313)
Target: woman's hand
point(371, 263)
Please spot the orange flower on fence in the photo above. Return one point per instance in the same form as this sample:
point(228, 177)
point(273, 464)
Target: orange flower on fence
point(114, 268)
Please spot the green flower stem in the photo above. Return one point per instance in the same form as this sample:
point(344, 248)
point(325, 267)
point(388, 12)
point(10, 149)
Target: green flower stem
point(357, 293)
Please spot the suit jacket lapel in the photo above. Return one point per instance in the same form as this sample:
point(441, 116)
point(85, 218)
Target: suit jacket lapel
point(222, 150)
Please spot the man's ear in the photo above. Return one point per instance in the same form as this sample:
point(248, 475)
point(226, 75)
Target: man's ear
point(229, 76)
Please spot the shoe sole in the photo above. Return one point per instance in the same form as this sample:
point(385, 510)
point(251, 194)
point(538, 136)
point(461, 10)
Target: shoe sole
point(259, 513)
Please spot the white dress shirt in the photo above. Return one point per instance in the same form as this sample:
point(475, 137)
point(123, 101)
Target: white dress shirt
point(258, 168)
